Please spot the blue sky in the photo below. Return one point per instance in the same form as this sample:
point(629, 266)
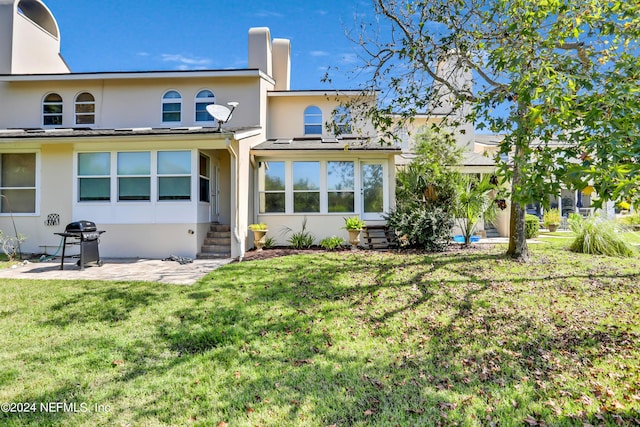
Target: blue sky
point(145, 35)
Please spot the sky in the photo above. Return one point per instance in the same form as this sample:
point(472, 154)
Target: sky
point(152, 35)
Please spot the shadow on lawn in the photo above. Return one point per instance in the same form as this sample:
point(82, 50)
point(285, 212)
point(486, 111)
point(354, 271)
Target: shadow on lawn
point(415, 341)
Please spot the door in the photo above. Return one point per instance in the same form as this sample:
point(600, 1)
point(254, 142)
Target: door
point(209, 185)
point(373, 191)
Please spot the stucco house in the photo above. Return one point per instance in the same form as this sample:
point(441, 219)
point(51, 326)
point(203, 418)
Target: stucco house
point(138, 154)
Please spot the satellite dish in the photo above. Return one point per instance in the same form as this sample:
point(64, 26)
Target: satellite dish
point(221, 113)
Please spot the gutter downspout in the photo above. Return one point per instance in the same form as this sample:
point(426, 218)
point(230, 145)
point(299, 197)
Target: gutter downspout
point(234, 191)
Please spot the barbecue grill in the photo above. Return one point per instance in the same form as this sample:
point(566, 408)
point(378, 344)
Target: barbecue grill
point(87, 236)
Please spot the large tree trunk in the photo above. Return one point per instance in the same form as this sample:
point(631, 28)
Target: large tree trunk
point(518, 249)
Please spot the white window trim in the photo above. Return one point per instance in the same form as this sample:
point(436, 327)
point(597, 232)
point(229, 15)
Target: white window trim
point(197, 101)
point(75, 111)
point(43, 114)
point(324, 191)
point(37, 187)
point(164, 101)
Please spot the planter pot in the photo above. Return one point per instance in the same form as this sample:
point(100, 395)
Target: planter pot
point(259, 238)
point(553, 227)
point(354, 238)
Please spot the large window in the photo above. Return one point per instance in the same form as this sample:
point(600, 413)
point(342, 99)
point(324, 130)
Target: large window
point(18, 183)
point(174, 175)
point(340, 186)
point(204, 98)
point(85, 109)
point(171, 107)
point(342, 118)
point(306, 187)
point(313, 121)
point(272, 187)
point(134, 176)
point(205, 178)
point(94, 177)
point(52, 110)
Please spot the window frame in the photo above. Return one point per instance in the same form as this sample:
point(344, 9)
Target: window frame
point(161, 175)
point(88, 114)
point(88, 177)
point(166, 101)
point(35, 188)
point(203, 102)
point(311, 113)
point(46, 115)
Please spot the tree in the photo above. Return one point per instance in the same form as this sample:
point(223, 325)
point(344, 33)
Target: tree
point(558, 78)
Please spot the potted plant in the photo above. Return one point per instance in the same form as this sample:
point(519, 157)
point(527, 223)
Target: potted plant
point(551, 219)
point(259, 234)
point(354, 226)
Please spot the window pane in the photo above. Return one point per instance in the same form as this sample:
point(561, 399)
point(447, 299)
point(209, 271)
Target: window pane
point(306, 175)
point(306, 202)
point(93, 189)
point(52, 120)
point(171, 117)
point(272, 202)
point(134, 189)
point(313, 129)
point(85, 97)
point(204, 190)
point(172, 94)
point(20, 201)
point(174, 188)
point(94, 163)
point(171, 107)
point(372, 185)
point(52, 108)
point(174, 162)
point(340, 175)
point(313, 121)
point(53, 97)
point(85, 108)
point(18, 170)
point(341, 202)
point(273, 176)
point(134, 163)
point(204, 166)
point(85, 119)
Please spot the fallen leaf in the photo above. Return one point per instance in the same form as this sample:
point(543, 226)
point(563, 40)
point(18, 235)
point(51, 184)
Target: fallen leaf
point(223, 424)
point(369, 412)
point(237, 374)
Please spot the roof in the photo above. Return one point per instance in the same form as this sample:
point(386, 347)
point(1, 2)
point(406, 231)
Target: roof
point(326, 143)
point(468, 159)
point(89, 132)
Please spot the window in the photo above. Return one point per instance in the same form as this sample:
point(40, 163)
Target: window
point(312, 121)
point(342, 118)
point(306, 187)
point(340, 186)
point(94, 177)
point(85, 109)
point(52, 110)
point(204, 98)
point(134, 176)
point(272, 187)
point(18, 183)
point(171, 107)
point(174, 175)
point(205, 178)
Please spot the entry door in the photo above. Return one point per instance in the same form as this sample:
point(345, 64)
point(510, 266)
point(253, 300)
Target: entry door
point(373, 191)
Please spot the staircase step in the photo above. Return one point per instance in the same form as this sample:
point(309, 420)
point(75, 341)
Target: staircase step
point(217, 244)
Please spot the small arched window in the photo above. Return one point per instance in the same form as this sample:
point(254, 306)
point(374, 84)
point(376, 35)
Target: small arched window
point(312, 120)
point(52, 110)
point(204, 98)
point(171, 107)
point(342, 118)
point(85, 109)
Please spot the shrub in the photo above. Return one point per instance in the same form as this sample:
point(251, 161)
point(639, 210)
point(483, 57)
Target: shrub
point(551, 217)
point(269, 242)
point(256, 227)
point(532, 226)
point(302, 239)
point(427, 227)
point(598, 236)
point(331, 243)
point(354, 223)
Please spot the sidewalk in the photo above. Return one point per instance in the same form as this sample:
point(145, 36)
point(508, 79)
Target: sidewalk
point(117, 269)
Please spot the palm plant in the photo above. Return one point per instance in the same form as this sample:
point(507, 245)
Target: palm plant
point(474, 201)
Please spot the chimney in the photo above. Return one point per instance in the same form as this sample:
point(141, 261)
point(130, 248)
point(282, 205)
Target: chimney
point(260, 49)
point(282, 63)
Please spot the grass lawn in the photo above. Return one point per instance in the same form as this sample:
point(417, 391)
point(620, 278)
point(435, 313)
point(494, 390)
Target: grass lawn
point(463, 338)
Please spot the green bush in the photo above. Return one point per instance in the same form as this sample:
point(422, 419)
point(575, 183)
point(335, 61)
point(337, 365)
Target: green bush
point(426, 227)
point(302, 239)
point(331, 243)
point(598, 236)
point(532, 226)
point(269, 242)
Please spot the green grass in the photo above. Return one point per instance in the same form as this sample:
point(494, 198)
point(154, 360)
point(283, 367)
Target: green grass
point(465, 338)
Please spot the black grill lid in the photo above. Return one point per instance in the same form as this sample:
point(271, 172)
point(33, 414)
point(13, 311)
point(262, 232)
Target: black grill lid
point(81, 226)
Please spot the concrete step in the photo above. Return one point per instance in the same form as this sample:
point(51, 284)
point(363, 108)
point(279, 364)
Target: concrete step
point(224, 241)
point(217, 244)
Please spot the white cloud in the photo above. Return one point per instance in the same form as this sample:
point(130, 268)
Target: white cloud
point(318, 53)
point(348, 58)
point(186, 63)
point(268, 14)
